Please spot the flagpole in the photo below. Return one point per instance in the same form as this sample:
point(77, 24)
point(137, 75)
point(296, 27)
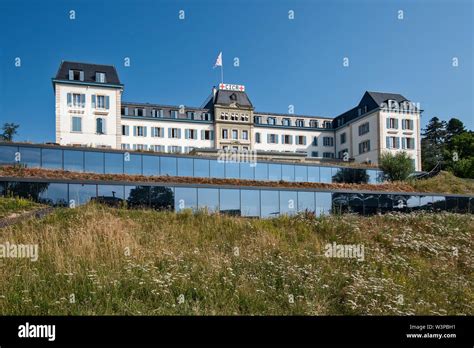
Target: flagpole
point(222, 73)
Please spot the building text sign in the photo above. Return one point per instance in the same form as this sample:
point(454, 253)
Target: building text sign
point(229, 87)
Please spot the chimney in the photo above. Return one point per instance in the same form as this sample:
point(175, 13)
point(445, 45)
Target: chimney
point(214, 91)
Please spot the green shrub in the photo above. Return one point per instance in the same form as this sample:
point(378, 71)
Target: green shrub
point(397, 166)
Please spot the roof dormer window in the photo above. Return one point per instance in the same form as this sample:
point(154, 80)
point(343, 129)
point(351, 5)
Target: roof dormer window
point(100, 77)
point(76, 75)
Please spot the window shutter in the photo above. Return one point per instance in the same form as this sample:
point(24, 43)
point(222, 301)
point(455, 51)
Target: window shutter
point(403, 124)
point(211, 135)
point(162, 132)
point(404, 143)
point(71, 75)
point(202, 134)
point(103, 126)
point(315, 141)
point(186, 133)
point(107, 100)
point(388, 122)
point(81, 75)
point(304, 140)
point(387, 142)
point(396, 123)
point(93, 100)
point(268, 138)
point(195, 135)
point(179, 133)
point(397, 142)
point(169, 132)
point(69, 99)
point(135, 130)
point(83, 100)
point(276, 138)
point(144, 131)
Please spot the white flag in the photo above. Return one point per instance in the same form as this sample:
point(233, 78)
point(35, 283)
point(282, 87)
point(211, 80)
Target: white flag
point(218, 60)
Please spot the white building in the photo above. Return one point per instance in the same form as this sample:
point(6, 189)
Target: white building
point(90, 112)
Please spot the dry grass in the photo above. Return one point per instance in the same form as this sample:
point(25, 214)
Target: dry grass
point(445, 182)
point(137, 262)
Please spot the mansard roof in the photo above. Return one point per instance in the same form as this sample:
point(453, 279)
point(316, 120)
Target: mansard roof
point(89, 69)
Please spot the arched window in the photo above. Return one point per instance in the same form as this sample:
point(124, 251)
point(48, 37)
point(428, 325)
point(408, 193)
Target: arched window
point(100, 126)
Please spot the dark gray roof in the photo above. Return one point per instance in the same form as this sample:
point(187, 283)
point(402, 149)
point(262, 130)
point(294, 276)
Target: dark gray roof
point(381, 98)
point(228, 97)
point(111, 76)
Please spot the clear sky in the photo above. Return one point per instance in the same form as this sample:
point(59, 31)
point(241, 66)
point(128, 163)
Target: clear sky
point(282, 62)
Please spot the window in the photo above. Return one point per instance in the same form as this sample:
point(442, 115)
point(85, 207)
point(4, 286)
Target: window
point(392, 123)
point(299, 123)
point(285, 122)
point(190, 134)
point(125, 146)
point(157, 148)
point(314, 154)
point(271, 120)
point(272, 138)
point(364, 128)
point(190, 115)
point(257, 138)
point(100, 77)
point(328, 154)
point(141, 147)
point(364, 146)
point(393, 142)
point(174, 149)
point(225, 134)
point(341, 153)
point(407, 124)
point(174, 133)
point(315, 141)
point(328, 141)
point(100, 101)
point(207, 135)
point(157, 132)
point(206, 116)
point(327, 124)
point(300, 140)
point(408, 143)
point(124, 111)
point(287, 139)
point(314, 124)
point(125, 130)
point(245, 135)
point(139, 131)
point(224, 116)
point(78, 100)
point(257, 119)
point(343, 138)
point(235, 134)
point(76, 124)
point(100, 126)
point(234, 117)
point(139, 112)
point(76, 75)
point(174, 113)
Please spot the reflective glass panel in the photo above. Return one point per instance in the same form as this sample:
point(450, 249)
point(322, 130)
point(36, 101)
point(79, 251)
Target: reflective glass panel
point(52, 158)
point(306, 201)
point(208, 198)
point(201, 168)
point(463, 205)
point(113, 163)
point(93, 162)
point(274, 172)
point(132, 164)
point(112, 195)
point(185, 167)
point(29, 190)
point(439, 203)
point(232, 170)
point(250, 202)
point(137, 196)
point(30, 156)
point(452, 204)
point(301, 173)
point(426, 202)
point(55, 195)
point(80, 194)
point(247, 171)
point(7, 154)
point(217, 169)
point(287, 172)
point(74, 160)
point(325, 174)
point(185, 198)
point(261, 171)
point(371, 203)
point(313, 174)
point(229, 201)
point(168, 166)
point(151, 165)
point(323, 203)
point(270, 206)
point(162, 198)
point(288, 202)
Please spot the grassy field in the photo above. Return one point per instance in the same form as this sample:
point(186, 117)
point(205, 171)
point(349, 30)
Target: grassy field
point(13, 206)
point(96, 260)
point(444, 182)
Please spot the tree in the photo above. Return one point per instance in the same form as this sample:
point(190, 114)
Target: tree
point(396, 166)
point(9, 131)
point(432, 144)
point(454, 127)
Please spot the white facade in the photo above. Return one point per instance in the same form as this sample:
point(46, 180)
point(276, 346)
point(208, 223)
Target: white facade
point(92, 114)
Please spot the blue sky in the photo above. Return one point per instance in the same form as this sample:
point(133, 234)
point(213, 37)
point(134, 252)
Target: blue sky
point(282, 61)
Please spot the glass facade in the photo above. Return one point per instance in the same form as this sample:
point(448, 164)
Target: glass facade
point(252, 202)
point(114, 162)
